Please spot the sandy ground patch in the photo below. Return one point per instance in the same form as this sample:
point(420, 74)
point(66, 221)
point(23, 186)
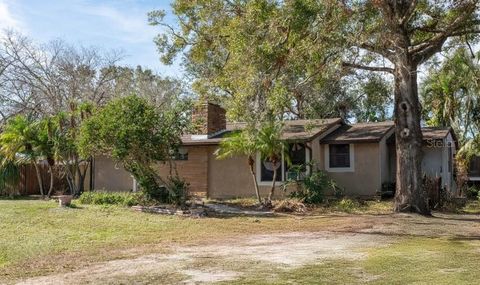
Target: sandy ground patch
point(286, 250)
point(348, 239)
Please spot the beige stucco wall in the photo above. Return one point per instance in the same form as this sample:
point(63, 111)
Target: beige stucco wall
point(386, 158)
point(365, 179)
point(231, 178)
point(110, 177)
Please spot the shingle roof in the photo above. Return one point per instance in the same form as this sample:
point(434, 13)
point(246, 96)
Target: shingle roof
point(435, 133)
point(305, 130)
point(294, 130)
point(361, 132)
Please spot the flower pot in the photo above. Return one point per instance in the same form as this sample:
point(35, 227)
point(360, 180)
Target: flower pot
point(65, 200)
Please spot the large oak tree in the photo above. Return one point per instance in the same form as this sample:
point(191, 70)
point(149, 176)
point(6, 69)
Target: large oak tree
point(263, 54)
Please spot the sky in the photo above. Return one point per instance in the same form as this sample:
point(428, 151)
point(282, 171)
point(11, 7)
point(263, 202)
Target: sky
point(104, 24)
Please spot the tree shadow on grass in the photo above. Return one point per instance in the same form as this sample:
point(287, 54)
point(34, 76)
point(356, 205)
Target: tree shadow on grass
point(412, 235)
point(19, 198)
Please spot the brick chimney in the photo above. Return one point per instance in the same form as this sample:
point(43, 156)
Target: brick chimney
point(209, 119)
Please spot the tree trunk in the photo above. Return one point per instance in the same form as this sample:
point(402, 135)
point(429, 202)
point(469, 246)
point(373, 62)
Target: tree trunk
point(39, 178)
point(71, 179)
point(251, 163)
point(82, 174)
point(272, 190)
point(50, 189)
point(410, 195)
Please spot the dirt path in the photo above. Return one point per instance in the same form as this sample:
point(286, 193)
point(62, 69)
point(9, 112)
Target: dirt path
point(286, 250)
point(231, 258)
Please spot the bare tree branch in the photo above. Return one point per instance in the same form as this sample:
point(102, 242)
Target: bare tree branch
point(369, 68)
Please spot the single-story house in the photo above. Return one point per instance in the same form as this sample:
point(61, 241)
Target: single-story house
point(474, 170)
point(359, 157)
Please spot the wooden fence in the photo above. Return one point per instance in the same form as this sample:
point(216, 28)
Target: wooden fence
point(28, 183)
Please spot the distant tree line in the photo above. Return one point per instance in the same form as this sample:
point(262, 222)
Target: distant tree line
point(48, 92)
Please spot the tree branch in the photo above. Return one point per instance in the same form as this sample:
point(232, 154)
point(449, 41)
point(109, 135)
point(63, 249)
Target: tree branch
point(383, 51)
point(426, 49)
point(369, 68)
point(409, 13)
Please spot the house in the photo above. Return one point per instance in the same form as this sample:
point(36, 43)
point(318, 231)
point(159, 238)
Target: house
point(474, 170)
point(359, 157)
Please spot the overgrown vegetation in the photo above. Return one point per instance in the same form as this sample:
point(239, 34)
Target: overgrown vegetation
point(9, 177)
point(137, 135)
point(472, 192)
point(125, 199)
point(313, 188)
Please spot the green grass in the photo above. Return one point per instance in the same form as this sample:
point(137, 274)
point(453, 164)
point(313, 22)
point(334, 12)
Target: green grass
point(38, 236)
point(409, 261)
point(426, 261)
point(472, 207)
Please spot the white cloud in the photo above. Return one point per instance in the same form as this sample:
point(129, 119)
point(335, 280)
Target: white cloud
point(7, 19)
point(128, 25)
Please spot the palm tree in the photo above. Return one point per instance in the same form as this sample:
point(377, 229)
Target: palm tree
point(9, 176)
point(45, 147)
point(271, 148)
point(450, 94)
point(18, 143)
point(242, 143)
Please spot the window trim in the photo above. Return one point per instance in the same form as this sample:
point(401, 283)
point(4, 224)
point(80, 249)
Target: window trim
point(340, 169)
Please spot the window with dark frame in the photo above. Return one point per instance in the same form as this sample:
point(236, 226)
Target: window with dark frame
point(180, 154)
point(339, 155)
point(298, 157)
point(266, 175)
point(297, 153)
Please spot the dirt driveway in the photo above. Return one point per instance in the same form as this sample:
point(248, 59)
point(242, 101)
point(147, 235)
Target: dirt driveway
point(231, 259)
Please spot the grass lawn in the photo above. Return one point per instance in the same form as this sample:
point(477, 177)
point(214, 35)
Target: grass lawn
point(39, 239)
point(33, 233)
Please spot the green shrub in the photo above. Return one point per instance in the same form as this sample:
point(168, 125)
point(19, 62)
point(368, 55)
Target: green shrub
point(125, 199)
point(348, 205)
point(472, 192)
point(179, 188)
point(312, 188)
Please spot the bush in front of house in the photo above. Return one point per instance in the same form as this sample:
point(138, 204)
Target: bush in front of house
point(313, 187)
point(179, 191)
point(125, 199)
point(347, 205)
point(472, 192)
point(137, 134)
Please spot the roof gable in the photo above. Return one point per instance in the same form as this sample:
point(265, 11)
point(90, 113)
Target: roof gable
point(359, 133)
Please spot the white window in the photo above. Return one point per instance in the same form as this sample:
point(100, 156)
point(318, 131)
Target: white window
point(299, 155)
point(180, 154)
point(339, 158)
